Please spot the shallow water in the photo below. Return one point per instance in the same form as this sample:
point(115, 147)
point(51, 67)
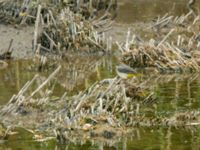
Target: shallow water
point(175, 93)
point(148, 139)
point(78, 73)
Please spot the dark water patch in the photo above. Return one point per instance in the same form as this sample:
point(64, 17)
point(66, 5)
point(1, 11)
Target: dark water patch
point(141, 138)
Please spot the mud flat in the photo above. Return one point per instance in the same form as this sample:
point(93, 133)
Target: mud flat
point(22, 40)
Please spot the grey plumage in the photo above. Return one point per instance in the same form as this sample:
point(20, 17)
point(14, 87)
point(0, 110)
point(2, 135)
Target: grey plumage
point(125, 69)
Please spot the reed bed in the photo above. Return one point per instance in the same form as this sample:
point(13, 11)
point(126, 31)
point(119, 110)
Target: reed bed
point(175, 47)
point(71, 32)
point(25, 11)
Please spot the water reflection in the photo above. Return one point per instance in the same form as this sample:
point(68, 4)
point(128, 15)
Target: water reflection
point(176, 92)
point(78, 73)
point(12, 79)
point(186, 93)
point(141, 138)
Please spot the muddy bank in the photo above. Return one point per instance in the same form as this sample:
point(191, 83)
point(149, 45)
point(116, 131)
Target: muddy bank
point(22, 40)
point(22, 36)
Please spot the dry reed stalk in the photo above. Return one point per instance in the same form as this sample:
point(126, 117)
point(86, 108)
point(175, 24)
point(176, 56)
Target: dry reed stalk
point(37, 22)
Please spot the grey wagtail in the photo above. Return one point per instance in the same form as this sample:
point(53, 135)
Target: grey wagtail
point(125, 71)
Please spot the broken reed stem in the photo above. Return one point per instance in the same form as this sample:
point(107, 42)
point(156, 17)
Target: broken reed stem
point(10, 45)
point(11, 105)
point(27, 85)
point(100, 99)
point(50, 39)
point(36, 27)
point(52, 18)
point(45, 82)
point(98, 45)
point(165, 38)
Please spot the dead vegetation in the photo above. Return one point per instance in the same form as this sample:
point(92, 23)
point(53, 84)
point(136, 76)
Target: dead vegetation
point(25, 11)
point(62, 26)
point(71, 32)
point(175, 49)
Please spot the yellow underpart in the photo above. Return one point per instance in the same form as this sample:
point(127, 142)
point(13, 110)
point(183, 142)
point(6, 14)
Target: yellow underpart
point(133, 75)
point(23, 14)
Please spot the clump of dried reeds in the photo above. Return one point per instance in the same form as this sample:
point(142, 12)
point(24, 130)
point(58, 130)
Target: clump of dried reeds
point(93, 8)
point(25, 11)
point(176, 51)
point(71, 32)
point(20, 11)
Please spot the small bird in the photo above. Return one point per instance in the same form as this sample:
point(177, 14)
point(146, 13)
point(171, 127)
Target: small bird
point(125, 71)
